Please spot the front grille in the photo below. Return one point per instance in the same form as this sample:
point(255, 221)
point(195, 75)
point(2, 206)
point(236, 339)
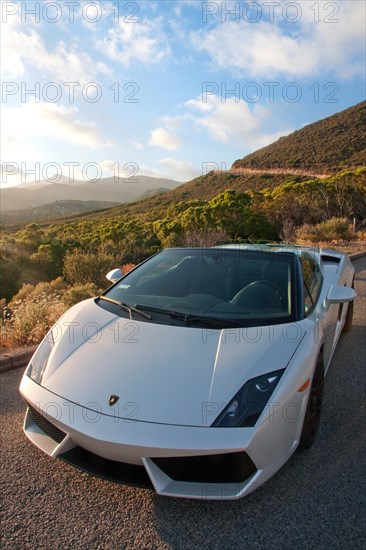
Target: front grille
point(46, 426)
point(223, 468)
point(119, 472)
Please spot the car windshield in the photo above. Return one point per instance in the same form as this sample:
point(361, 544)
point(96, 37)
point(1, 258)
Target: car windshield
point(232, 287)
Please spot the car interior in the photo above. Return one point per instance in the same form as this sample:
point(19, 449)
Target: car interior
point(218, 284)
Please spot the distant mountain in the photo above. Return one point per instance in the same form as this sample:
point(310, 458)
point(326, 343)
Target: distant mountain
point(43, 183)
point(327, 146)
point(54, 210)
point(116, 190)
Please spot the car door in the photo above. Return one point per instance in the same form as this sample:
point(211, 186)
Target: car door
point(312, 286)
point(331, 321)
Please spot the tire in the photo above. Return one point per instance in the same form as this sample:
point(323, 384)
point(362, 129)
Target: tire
point(313, 409)
point(349, 316)
point(347, 327)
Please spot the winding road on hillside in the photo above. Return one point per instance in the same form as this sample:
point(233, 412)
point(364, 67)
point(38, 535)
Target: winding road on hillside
point(293, 172)
point(317, 500)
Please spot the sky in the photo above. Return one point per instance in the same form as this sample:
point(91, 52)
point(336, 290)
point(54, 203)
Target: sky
point(167, 88)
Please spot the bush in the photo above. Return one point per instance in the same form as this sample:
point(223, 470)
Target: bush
point(335, 229)
point(28, 291)
point(77, 293)
point(26, 319)
point(35, 309)
point(31, 313)
point(87, 267)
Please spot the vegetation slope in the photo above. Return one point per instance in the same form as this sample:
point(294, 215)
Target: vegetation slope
point(327, 146)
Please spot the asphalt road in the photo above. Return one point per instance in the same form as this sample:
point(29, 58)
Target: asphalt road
point(317, 500)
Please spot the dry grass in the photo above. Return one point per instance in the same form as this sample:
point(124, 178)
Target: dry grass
point(27, 318)
point(31, 313)
point(36, 308)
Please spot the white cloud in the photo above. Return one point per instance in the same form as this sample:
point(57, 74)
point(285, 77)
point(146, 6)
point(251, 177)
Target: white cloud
point(22, 50)
point(174, 123)
point(264, 49)
point(164, 139)
point(143, 42)
point(151, 172)
point(179, 169)
point(15, 148)
point(33, 119)
point(234, 122)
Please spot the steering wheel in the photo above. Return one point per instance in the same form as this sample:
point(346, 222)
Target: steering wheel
point(267, 284)
point(276, 288)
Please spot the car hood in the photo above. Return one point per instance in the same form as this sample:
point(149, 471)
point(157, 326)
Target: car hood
point(160, 373)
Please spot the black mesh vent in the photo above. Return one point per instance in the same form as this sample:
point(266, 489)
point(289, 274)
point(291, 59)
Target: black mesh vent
point(46, 426)
point(224, 468)
point(119, 472)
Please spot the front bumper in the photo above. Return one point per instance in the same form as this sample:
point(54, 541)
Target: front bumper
point(180, 461)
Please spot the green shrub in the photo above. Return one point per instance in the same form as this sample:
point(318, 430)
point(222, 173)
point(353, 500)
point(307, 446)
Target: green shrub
point(88, 267)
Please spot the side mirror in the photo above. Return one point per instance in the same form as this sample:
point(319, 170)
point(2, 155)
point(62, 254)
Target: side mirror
point(114, 275)
point(338, 294)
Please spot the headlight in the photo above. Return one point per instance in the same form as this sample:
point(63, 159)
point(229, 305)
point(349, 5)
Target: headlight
point(39, 361)
point(247, 405)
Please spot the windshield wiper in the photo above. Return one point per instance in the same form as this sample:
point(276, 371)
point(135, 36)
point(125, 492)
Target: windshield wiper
point(153, 309)
point(189, 318)
point(126, 307)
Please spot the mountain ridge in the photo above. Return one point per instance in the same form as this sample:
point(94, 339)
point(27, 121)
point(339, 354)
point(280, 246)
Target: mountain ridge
point(116, 190)
point(299, 150)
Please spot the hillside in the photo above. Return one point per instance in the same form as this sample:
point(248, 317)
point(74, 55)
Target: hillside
point(53, 211)
point(117, 190)
point(327, 146)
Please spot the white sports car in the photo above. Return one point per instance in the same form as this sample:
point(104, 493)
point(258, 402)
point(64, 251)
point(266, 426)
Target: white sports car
point(198, 373)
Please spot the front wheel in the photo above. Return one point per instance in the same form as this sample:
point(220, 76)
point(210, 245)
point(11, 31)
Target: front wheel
point(349, 315)
point(313, 409)
point(349, 318)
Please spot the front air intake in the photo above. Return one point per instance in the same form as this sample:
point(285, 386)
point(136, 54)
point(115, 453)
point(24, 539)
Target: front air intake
point(221, 468)
point(46, 426)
